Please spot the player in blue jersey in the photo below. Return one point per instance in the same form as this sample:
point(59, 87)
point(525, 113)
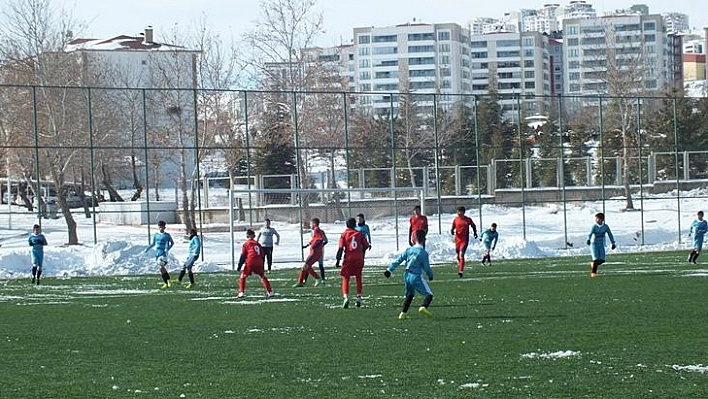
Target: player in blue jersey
point(37, 241)
point(417, 262)
point(698, 229)
point(489, 240)
point(596, 238)
point(195, 249)
point(363, 228)
point(162, 242)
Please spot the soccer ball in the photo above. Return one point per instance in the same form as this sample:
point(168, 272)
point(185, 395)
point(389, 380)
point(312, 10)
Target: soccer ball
point(162, 261)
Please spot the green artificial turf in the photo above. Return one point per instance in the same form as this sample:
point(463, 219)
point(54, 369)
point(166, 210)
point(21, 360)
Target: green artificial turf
point(534, 327)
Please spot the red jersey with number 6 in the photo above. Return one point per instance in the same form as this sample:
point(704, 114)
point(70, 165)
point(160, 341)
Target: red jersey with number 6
point(354, 244)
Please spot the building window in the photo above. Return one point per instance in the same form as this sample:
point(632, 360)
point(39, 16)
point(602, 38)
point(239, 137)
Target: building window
point(443, 35)
point(508, 54)
point(444, 48)
point(649, 38)
point(649, 26)
point(386, 63)
point(364, 63)
point(364, 39)
point(421, 61)
point(507, 43)
point(480, 44)
point(529, 85)
point(365, 75)
point(479, 55)
point(528, 63)
point(421, 49)
point(364, 51)
point(387, 75)
point(528, 42)
point(528, 53)
point(422, 85)
point(444, 59)
point(529, 74)
point(385, 50)
point(385, 39)
point(573, 53)
point(574, 76)
point(415, 73)
point(572, 29)
point(421, 36)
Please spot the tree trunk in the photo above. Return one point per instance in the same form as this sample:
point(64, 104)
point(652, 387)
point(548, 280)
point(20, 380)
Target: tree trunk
point(108, 184)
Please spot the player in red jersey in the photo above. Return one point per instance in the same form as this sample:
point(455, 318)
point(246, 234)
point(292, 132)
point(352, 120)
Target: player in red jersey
point(417, 222)
point(316, 245)
point(461, 229)
point(353, 244)
point(252, 255)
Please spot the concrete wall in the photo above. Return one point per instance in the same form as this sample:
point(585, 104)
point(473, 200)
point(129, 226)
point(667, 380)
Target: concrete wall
point(136, 213)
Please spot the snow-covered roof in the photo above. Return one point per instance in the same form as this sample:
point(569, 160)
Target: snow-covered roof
point(696, 88)
point(122, 42)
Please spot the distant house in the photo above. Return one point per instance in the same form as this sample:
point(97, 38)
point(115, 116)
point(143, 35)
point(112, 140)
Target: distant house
point(133, 70)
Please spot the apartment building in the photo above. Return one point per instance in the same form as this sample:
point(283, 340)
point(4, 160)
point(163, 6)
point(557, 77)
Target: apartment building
point(420, 58)
point(636, 43)
point(519, 66)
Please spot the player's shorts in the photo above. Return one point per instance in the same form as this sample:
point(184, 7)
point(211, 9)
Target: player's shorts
point(415, 282)
point(698, 241)
point(461, 245)
point(252, 269)
point(190, 262)
point(598, 251)
point(351, 269)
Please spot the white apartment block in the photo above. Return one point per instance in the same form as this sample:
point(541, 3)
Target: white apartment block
point(519, 64)
point(548, 18)
point(676, 22)
point(630, 37)
point(424, 59)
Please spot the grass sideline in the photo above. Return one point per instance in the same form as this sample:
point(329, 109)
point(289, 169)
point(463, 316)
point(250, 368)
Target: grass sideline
point(533, 327)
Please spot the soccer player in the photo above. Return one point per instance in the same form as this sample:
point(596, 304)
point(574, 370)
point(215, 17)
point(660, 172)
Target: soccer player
point(252, 255)
point(316, 245)
point(461, 230)
point(363, 228)
point(597, 239)
point(698, 228)
point(353, 244)
point(417, 222)
point(162, 241)
point(195, 248)
point(37, 241)
point(417, 262)
point(265, 238)
point(320, 261)
point(489, 240)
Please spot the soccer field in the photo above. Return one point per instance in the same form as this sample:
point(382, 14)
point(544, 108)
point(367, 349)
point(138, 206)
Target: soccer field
point(537, 327)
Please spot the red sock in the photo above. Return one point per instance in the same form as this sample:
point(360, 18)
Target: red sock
point(461, 264)
point(359, 285)
point(301, 277)
point(345, 286)
point(266, 284)
point(241, 284)
point(313, 273)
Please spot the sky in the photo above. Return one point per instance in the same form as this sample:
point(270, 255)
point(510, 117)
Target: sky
point(106, 19)
point(120, 249)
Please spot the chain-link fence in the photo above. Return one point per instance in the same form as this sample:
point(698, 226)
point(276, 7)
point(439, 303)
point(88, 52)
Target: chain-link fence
point(133, 156)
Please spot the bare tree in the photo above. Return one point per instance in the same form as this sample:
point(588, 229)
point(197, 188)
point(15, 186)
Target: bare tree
point(622, 69)
point(283, 31)
point(33, 36)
